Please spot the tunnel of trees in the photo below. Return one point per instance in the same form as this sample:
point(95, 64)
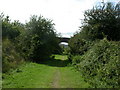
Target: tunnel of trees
point(94, 50)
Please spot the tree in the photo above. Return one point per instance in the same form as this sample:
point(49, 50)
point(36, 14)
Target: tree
point(103, 21)
point(99, 22)
point(9, 30)
point(40, 39)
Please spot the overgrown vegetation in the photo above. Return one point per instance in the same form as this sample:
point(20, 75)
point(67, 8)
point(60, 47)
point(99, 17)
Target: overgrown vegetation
point(34, 41)
point(100, 64)
point(10, 55)
point(95, 50)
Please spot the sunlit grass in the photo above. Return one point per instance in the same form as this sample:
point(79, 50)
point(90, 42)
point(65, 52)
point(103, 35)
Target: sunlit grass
point(34, 75)
point(70, 78)
point(61, 57)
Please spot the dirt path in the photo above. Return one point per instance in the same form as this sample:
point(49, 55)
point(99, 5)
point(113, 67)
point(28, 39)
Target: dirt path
point(57, 76)
point(55, 83)
point(63, 58)
point(50, 74)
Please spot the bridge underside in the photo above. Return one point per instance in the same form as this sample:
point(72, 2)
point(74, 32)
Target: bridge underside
point(64, 39)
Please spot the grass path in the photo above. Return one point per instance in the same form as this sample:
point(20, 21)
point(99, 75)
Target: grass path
point(49, 74)
point(56, 79)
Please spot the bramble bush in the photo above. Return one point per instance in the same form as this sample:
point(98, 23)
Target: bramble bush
point(95, 50)
point(100, 65)
point(10, 57)
point(79, 45)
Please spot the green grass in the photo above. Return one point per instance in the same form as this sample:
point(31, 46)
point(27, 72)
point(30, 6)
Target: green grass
point(70, 78)
point(33, 75)
point(63, 57)
point(49, 74)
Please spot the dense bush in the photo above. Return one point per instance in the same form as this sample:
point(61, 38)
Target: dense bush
point(10, 57)
point(100, 65)
point(78, 45)
point(40, 39)
point(95, 50)
point(33, 41)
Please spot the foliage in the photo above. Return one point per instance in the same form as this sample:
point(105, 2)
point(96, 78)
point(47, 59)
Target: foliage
point(40, 39)
point(98, 22)
point(95, 50)
point(100, 65)
point(10, 30)
point(79, 45)
point(66, 50)
point(76, 59)
point(10, 57)
point(33, 41)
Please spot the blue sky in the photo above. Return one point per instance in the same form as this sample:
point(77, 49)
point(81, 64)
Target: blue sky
point(66, 14)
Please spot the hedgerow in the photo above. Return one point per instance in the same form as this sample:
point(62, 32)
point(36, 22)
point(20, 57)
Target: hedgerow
point(100, 65)
point(95, 50)
point(34, 41)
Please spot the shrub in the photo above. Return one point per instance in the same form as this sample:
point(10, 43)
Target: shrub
point(40, 39)
point(76, 59)
point(97, 58)
point(78, 45)
point(10, 57)
point(100, 65)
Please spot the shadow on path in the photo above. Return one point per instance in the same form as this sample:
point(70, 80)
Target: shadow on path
point(56, 62)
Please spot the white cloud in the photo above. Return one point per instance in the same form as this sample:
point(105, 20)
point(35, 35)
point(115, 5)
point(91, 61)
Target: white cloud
point(66, 14)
